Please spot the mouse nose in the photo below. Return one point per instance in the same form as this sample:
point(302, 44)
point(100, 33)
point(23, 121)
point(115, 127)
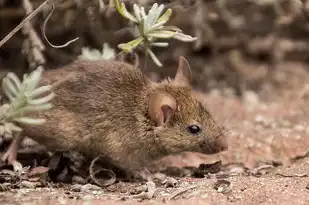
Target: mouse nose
point(221, 143)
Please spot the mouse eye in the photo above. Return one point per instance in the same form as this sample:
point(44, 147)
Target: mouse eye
point(194, 129)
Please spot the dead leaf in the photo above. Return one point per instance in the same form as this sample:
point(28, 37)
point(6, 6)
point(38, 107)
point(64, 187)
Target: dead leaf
point(223, 186)
point(38, 171)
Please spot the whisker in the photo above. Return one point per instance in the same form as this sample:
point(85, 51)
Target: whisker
point(226, 119)
point(222, 133)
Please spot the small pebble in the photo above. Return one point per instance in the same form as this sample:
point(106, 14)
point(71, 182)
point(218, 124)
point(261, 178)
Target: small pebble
point(251, 99)
point(170, 182)
point(299, 128)
point(286, 123)
point(204, 196)
point(76, 187)
point(90, 187)
point(78, 180)
point(27, 184)
point(62, 201)
point(237, 170)
point(87, 197)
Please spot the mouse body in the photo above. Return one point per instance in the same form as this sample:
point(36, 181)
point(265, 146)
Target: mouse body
point(112, 109)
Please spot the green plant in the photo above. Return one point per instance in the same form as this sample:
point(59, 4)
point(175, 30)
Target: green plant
point(24, 97)
point(150, 28)
point(94, 54)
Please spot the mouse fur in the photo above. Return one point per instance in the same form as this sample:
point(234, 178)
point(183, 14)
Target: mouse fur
point(112, 109)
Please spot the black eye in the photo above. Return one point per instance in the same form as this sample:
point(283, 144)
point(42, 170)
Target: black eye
point(194, 129)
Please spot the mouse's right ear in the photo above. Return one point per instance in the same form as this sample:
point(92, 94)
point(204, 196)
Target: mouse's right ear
point(162, 107)
point(183, 76)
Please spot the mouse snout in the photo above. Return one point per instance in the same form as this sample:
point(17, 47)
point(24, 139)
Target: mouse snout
point(218, 144)
point(221, 143)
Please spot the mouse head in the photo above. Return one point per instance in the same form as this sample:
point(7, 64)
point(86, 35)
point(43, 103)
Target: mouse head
point(182, 122)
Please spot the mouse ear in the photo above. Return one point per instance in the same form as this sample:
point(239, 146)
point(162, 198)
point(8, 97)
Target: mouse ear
point(148, 81)
point(161, 107)
point(183, 76)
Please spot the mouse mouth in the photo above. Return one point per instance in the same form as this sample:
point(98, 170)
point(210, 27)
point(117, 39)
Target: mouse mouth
point(211, 148)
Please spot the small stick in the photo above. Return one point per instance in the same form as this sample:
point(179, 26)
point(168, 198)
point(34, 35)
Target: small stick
point(92, 174)
point(20, 25)
point(181, 191)
point(151, 189)
point(44, 32)
point(28, 18)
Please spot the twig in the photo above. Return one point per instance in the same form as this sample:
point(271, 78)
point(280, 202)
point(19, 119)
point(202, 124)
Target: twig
point(292, 175)
point(44, 32)
point(109, 172)
point(33, 44)
point(21, 24)
point(257, 170)
point(151, 189)
point(181, 191)
point(28, 18)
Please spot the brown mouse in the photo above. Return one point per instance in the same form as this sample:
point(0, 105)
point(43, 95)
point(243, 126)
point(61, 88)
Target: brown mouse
point(112, 109)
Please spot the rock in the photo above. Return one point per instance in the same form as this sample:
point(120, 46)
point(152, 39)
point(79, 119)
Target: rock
point(76, 187)
point(78, 180)
point(30, 185)
point(87, 197)
point(251, 99)
point(299, 127)
point(90, 187)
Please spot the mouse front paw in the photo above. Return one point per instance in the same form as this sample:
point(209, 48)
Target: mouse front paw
point(10, 157)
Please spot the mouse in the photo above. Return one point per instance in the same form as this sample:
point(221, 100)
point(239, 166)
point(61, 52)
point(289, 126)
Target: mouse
point(110, 108)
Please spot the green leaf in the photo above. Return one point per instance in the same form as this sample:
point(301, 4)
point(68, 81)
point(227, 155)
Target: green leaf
point(128, 15)
point(41, 107)
point(161, 34)
point(33, 79)
point(119, 8)
point(170, 28)
point(157, 26)
point(6, 90)
point(29, 120)
point(14, 79)
point(128, 47)
point(154, 57)
point(143, 13)
point(122, 10)
point(166, 16)
point(184, 37)
point(151, 16)
point(141, 27)
point(39, 91)
point(157, 14)
point(10, 87)
point(14, 127)
point(137, 12)
point(42, 100)
point(159, 44)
